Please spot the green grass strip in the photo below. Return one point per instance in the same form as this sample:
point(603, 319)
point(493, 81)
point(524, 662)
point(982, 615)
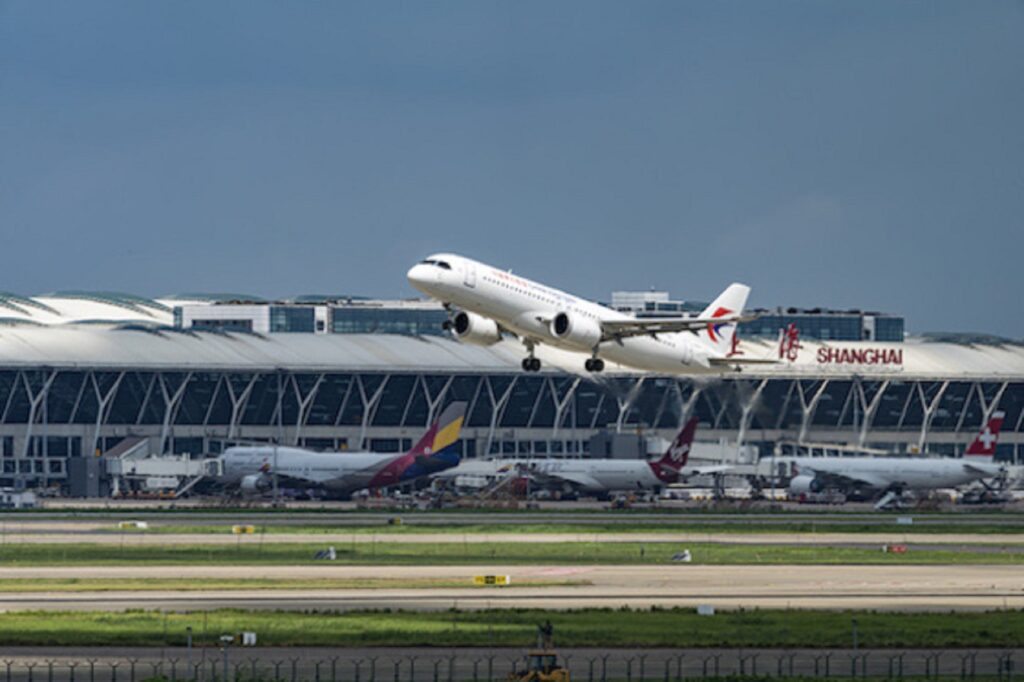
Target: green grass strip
point(583, 628)
point(249, 551)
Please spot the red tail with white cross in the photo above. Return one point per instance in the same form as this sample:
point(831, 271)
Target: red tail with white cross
point(983, 447)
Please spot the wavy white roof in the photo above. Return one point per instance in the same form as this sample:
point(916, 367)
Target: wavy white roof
point(85, 346)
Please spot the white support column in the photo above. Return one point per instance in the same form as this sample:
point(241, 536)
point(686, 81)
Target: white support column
point(434, 401)
point(627, 404)
point(369, 407)
point(870, 408)
point(747, 411)
point(975, 389)
point(34, 400)
point(305, 402)
point(929, 407)
point(993, 405)
point(808, 408)
point(497, 409)
point(239, 403)
point(687, 408)
point(172, 400)
point(103, 401)
point(561, 403)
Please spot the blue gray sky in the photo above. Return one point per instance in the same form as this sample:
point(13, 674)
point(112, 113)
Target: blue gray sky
point(841, 154)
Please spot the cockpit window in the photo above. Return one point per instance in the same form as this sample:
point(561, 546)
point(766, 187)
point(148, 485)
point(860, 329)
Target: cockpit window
point(443, 265)
point(428, 262)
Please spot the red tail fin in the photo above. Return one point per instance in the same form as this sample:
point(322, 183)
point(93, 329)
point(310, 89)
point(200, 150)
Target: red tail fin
point(679, 451)
point(984, 444)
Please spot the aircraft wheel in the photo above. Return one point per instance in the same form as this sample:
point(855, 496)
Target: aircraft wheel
point(531, 365)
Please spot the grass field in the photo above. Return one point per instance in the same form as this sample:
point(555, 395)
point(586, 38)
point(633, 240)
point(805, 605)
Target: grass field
point(21, 585)
point(887, 525)
point(250, 551)
point(619, 628)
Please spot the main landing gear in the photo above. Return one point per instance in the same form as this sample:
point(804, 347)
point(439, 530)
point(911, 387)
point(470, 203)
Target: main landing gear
point(531, 364)
point(594, 365)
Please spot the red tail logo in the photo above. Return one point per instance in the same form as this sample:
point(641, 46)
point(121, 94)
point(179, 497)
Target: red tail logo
point(984, 444)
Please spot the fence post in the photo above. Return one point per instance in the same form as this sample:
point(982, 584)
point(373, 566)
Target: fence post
point(113, 671)
point(316, 671)
point(373, 668)
point(31, 669)
point(358, 664)
point(412, 668)
point(277, 670)
point(295, 669)
point(604, 668)
point(398, 664)
point(437, 670)
point(629, 669)
point(679, 667)
point(451, 668)
point(49, 669)
point(71, 668)
point(643, 665)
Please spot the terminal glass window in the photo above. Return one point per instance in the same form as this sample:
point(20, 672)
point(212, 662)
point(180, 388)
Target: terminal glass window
point(292, 319)
point(387, 321)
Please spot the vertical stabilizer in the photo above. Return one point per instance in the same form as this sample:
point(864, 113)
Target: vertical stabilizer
point(983, 447)
point(729, 304)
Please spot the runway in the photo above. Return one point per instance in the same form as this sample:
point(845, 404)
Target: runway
point(865, 587)
point(59, 535)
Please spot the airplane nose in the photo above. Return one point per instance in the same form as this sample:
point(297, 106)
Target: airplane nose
point(420, 275)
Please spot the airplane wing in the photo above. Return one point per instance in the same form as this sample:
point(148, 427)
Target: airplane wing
point(719, 362)
point(839, 475)
point(706, 470)
point(576, 480)
point(982, 469)
point(647, 326)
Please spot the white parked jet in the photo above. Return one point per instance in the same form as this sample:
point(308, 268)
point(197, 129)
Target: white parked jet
point(251, 468)
point(891, 476)
point(598, 475)
point(485, 302)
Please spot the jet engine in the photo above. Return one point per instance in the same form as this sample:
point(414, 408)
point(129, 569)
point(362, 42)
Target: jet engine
point(474, 329)
point(576, 330)
point(804, 483)
point(254, 483)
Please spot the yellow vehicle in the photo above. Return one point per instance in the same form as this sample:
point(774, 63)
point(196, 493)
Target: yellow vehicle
point(542, 666)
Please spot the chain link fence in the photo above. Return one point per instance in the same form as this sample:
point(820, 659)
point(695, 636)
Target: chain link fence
point(661, 665)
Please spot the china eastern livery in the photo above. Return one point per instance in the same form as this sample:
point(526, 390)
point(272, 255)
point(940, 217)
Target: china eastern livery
point(252, 468)
point(485, 302)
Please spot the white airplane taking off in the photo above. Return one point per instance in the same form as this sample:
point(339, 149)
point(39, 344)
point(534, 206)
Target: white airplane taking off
point(485, 301)
point(891, 476)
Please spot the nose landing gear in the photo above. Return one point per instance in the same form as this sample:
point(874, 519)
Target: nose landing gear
point(594, 365)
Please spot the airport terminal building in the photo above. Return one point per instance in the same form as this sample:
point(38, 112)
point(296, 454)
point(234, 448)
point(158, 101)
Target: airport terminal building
point(84, 374)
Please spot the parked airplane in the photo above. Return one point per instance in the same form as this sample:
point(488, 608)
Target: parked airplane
point(484, 302)
point(890, 477)
point(599, 475)
point(252, 468)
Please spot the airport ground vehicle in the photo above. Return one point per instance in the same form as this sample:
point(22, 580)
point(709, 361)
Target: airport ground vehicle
point(541, 666)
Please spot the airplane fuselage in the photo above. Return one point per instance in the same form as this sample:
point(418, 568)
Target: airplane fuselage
point(909, 473)
point(526, 308)
point(338, 472)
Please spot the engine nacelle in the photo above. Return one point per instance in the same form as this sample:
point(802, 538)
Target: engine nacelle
point(575, 330)
point(804, 483)
point(475, 329)
point(254, 483)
